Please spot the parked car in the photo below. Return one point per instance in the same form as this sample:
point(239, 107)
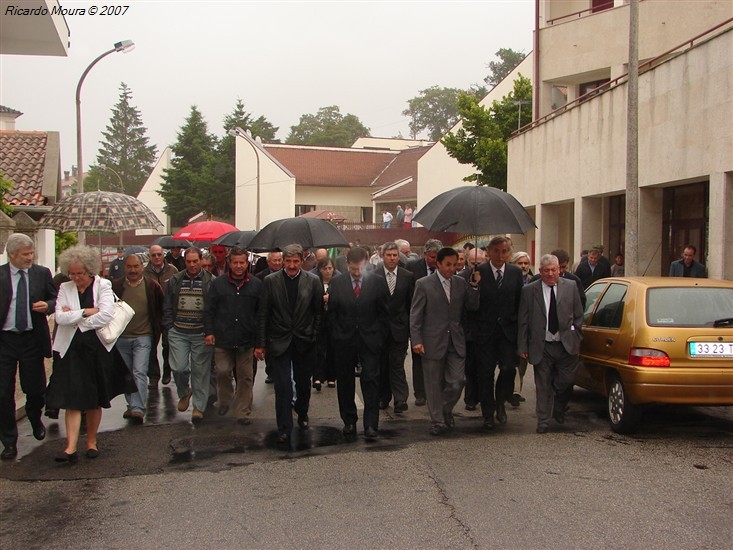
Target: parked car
point(657, 340)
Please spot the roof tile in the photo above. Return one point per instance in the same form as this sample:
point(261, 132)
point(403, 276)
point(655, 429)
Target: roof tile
point(22, 160)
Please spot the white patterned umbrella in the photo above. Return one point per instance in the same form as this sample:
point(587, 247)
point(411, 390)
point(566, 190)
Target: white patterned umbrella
point(101, 211)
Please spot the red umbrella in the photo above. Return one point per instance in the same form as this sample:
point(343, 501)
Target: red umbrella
point(204, 231)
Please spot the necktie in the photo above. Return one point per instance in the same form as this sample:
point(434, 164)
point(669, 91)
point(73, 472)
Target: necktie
point(391, 282)
point(446, 288)
point(552, 322)
point(430, 271)
point(499, 278)
point(21, 304)
point(357, 289)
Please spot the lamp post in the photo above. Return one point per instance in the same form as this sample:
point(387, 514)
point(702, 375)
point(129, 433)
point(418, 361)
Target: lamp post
point(119, 178)
point(247, 136)
point(124, 47)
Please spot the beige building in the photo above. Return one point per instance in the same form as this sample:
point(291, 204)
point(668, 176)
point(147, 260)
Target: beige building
point(568, 168)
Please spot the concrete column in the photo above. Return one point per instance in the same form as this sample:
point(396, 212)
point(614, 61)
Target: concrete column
point(545, 99)
point(720, 226)
point(46, 248)
point(650, 232)
point(588, 224)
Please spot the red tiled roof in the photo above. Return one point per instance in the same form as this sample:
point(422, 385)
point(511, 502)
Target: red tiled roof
point(331, 167)
point(22, 160)
point(403, 166)
point(403, 193)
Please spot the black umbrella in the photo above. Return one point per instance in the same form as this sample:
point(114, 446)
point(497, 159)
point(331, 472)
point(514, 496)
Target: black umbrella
point(135, 249)
point(168, 241)
point(307, 232)
point(239, 239)
point(476, 210)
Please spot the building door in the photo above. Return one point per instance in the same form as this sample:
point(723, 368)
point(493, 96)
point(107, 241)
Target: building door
point(685, 222)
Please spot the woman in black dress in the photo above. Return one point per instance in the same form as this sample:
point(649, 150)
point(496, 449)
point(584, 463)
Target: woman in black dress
point(324, 367)
point(83, 370)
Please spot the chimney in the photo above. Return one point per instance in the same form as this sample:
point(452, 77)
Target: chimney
point(66, 175)
point(73, 171)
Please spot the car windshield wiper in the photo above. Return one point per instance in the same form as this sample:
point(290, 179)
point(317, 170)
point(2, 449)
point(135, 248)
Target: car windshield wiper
point(727, 322)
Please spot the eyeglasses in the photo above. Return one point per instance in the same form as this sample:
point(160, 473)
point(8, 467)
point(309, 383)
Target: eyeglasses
point(154, 255)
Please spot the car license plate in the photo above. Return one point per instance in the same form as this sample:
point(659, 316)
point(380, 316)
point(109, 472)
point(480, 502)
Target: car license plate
point(711, 349)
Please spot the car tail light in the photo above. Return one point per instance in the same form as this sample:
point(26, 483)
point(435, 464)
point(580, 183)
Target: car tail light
point(644, 357)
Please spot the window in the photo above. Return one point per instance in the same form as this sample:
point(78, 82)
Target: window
point(688, 306)
point(611, 307)
point(301, 209)
point(367, 213)
point(592, 294)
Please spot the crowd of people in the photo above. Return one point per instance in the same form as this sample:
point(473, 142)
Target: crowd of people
point(472, 318)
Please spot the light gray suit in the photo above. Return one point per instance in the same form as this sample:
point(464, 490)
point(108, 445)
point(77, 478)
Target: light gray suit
point(554, 363)
point(436, 324)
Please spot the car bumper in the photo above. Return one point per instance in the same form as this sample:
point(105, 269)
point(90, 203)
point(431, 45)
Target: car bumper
point(674, 385)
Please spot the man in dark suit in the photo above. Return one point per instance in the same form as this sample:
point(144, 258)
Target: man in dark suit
point(550, 319)
point(594, 267)
point(401, 286)
point(358, 317)
point(422, 267)
point(274, 264)
point(288, 321)
point(495, 330)
point(436, 334)
point(27, 296)
point(687, 266)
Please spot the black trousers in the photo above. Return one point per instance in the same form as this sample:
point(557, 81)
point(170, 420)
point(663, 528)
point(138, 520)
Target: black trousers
point(471, 395)
point(301, 361)
point(392, 379)
point(347, 356)
point(418, 379)
point(19, 351)
point(153, 364)
point(498, 350)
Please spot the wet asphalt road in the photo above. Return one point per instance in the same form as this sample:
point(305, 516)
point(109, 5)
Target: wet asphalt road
point(167, 483)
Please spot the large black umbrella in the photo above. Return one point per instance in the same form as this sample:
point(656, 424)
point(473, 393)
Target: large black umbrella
point(239, 239)
point(167, 241)
point(476, 210)
point(307, 232)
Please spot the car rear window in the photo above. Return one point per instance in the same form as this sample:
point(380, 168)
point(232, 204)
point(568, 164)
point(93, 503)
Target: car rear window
point(688, 306)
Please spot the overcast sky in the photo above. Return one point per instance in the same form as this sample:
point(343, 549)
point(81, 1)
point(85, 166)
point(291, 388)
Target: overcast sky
point(283, 59)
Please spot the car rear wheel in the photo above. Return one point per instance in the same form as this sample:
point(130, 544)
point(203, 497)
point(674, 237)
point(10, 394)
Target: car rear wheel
point(623, 415)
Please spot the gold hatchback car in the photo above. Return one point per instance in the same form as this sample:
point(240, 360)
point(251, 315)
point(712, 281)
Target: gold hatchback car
point(657, 340)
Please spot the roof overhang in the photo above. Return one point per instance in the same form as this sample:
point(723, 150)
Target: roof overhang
point(33, 28)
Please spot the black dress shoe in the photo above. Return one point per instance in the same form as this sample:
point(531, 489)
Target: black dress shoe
point(450, 422)
point(400, 407)
point(39, 431)
point(72, 458)
point(541, 429)
point(419, 401)
point(470, 406)
point(501, 413)
point(331, 383)
point(349, 429)
point(383, 404)
point(488, 425)
point(437, 429)
point(303, 421)
point(283, 438)
point(92, 453)
point(153, 384)
point(166, 377)
point(53, 414)
point(317, 385)
point(559, 416)
point(370, 434)
point(268, 380)
point(514, 400)
point(9, 453)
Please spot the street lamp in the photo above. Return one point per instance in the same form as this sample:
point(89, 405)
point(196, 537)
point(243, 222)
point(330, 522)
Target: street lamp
point(119, 178)
point(247, 136)
point(124, 47)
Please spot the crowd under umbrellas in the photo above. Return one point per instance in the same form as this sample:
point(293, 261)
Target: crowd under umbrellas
point(473, 210)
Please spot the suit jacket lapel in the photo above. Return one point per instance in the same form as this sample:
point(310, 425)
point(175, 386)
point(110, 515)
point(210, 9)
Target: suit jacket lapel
point(282, 293)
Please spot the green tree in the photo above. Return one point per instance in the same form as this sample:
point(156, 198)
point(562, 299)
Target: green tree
point(6, 186)
point(218, 198)
point(482, 139)
point(327, 127)
point(125, 158)
point(508, 60)
point(435, 110)
point(192, 173)
point(64, 241)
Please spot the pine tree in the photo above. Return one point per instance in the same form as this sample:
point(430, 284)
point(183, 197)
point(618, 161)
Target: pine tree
point(186, 185)
point(125, 159)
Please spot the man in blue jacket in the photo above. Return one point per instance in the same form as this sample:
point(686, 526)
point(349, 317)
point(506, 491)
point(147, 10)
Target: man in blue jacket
point(230, 324)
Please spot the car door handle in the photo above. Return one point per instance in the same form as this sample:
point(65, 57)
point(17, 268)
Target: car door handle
point(609, 341)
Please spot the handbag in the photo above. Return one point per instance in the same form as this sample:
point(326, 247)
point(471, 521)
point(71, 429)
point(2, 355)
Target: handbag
point(122, 315)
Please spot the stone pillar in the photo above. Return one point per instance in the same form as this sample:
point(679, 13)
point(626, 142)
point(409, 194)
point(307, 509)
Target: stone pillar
point(650, 232)
point(7, 227)
point(720, 226)
point(25, 224)
point(588, 224)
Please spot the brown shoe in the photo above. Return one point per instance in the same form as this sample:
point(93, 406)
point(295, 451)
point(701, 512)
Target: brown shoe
point(196, 416)
point(127, 414)
point(137, 417)
point(184, 401)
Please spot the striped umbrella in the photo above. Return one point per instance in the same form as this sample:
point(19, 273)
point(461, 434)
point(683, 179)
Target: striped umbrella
point(101, 211)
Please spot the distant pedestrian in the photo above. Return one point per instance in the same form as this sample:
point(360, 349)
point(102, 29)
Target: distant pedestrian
point(408, 215)
point(400, 216)
point(386, 219)
point(687, 266)
point(594, 267)
point(117, 266)
point(618, 269)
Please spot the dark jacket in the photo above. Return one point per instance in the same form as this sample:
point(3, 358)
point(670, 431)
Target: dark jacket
point(499, 306)
point(365, 318)
point(155, 303)
point(587, 277)
point(399, 303)
point(230, 313)
point(677, 269)
point(163, 277)
point(418, 267)
point(277, 325)
point(40, 289)
point(170, 301)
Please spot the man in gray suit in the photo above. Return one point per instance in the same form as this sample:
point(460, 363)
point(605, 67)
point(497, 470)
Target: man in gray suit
point(550, 319)
point(437, 336)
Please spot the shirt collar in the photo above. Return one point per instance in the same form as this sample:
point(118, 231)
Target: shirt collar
point(442, 279)
point(294, 276)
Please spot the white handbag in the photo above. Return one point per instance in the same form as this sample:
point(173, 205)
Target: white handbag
point(122, 316)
